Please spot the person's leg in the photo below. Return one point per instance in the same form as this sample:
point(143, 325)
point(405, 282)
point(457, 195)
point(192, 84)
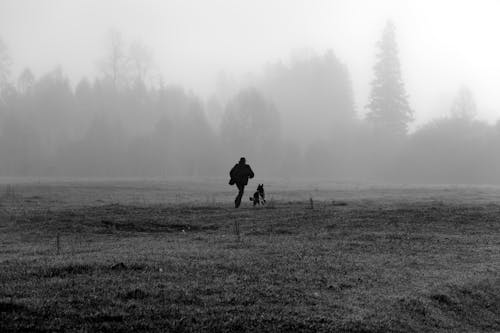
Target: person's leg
point(241, 189)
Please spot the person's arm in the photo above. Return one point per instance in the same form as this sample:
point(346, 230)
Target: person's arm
point(231, 173)
point(250, 172)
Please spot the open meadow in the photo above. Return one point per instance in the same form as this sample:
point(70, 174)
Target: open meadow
point(176, 256)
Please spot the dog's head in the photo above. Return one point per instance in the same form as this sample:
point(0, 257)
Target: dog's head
point(260, 188)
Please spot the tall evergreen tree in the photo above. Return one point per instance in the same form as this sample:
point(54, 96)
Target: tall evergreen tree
point(389, 108)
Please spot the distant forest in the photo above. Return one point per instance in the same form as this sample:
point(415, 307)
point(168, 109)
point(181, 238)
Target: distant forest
point(291, 121)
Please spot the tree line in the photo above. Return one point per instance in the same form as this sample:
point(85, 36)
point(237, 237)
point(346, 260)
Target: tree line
point(294, 120)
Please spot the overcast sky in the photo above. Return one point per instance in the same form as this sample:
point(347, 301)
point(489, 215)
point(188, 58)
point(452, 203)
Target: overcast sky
point(443, 43)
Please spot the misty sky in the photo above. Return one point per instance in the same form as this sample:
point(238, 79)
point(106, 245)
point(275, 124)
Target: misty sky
point(443, 43)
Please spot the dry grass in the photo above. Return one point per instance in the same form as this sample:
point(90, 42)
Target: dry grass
point(377, 262)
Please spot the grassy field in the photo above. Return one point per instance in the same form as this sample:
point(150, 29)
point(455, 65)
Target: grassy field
point(160, 256)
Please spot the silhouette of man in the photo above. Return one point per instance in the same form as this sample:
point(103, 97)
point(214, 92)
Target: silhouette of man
point(240, 174)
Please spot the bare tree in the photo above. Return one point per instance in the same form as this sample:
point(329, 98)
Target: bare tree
point(25, 81)
point(114, 66)
point(140, 60)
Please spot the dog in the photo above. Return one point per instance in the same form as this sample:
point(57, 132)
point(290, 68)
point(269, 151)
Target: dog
point(259, 197)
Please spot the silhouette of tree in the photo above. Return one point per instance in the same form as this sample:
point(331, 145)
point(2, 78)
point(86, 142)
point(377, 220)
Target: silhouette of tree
point(449, 150)
point(20, 146)
point(54, 101)
point(25, 81)
point(84, 106)
point(83, 92)
point(464, 105)
point(250, 123)
point(215, 111)
point(114, 66)
point(140, 60)
point(182, 136)
point(315, 93)
point(5, 64)
point(389, 107)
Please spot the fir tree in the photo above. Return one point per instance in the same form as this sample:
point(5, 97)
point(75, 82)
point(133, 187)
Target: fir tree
point(389, 108)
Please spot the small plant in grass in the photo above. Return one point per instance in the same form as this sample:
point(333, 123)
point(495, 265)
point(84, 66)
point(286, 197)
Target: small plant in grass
point(237, 229)
point(58, 243)
point(270, 204)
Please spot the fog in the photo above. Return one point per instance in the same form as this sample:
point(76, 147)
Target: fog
point(389, 91)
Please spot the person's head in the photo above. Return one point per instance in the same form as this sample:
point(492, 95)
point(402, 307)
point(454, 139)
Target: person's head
point(242, 160)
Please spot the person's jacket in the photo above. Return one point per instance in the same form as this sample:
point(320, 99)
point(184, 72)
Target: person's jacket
point(240, 173)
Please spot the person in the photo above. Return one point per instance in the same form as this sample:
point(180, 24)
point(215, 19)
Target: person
point(240, 174)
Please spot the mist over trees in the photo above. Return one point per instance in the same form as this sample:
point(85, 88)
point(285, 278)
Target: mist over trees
point(5, 63)
point(314, 92)
point(294, 120)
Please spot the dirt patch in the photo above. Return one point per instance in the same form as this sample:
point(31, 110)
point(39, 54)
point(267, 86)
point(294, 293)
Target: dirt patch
point(131, 267)
point(8, 307)
point(443, 299)
point(134, 294)
point(63, 271)
point(126, 218)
